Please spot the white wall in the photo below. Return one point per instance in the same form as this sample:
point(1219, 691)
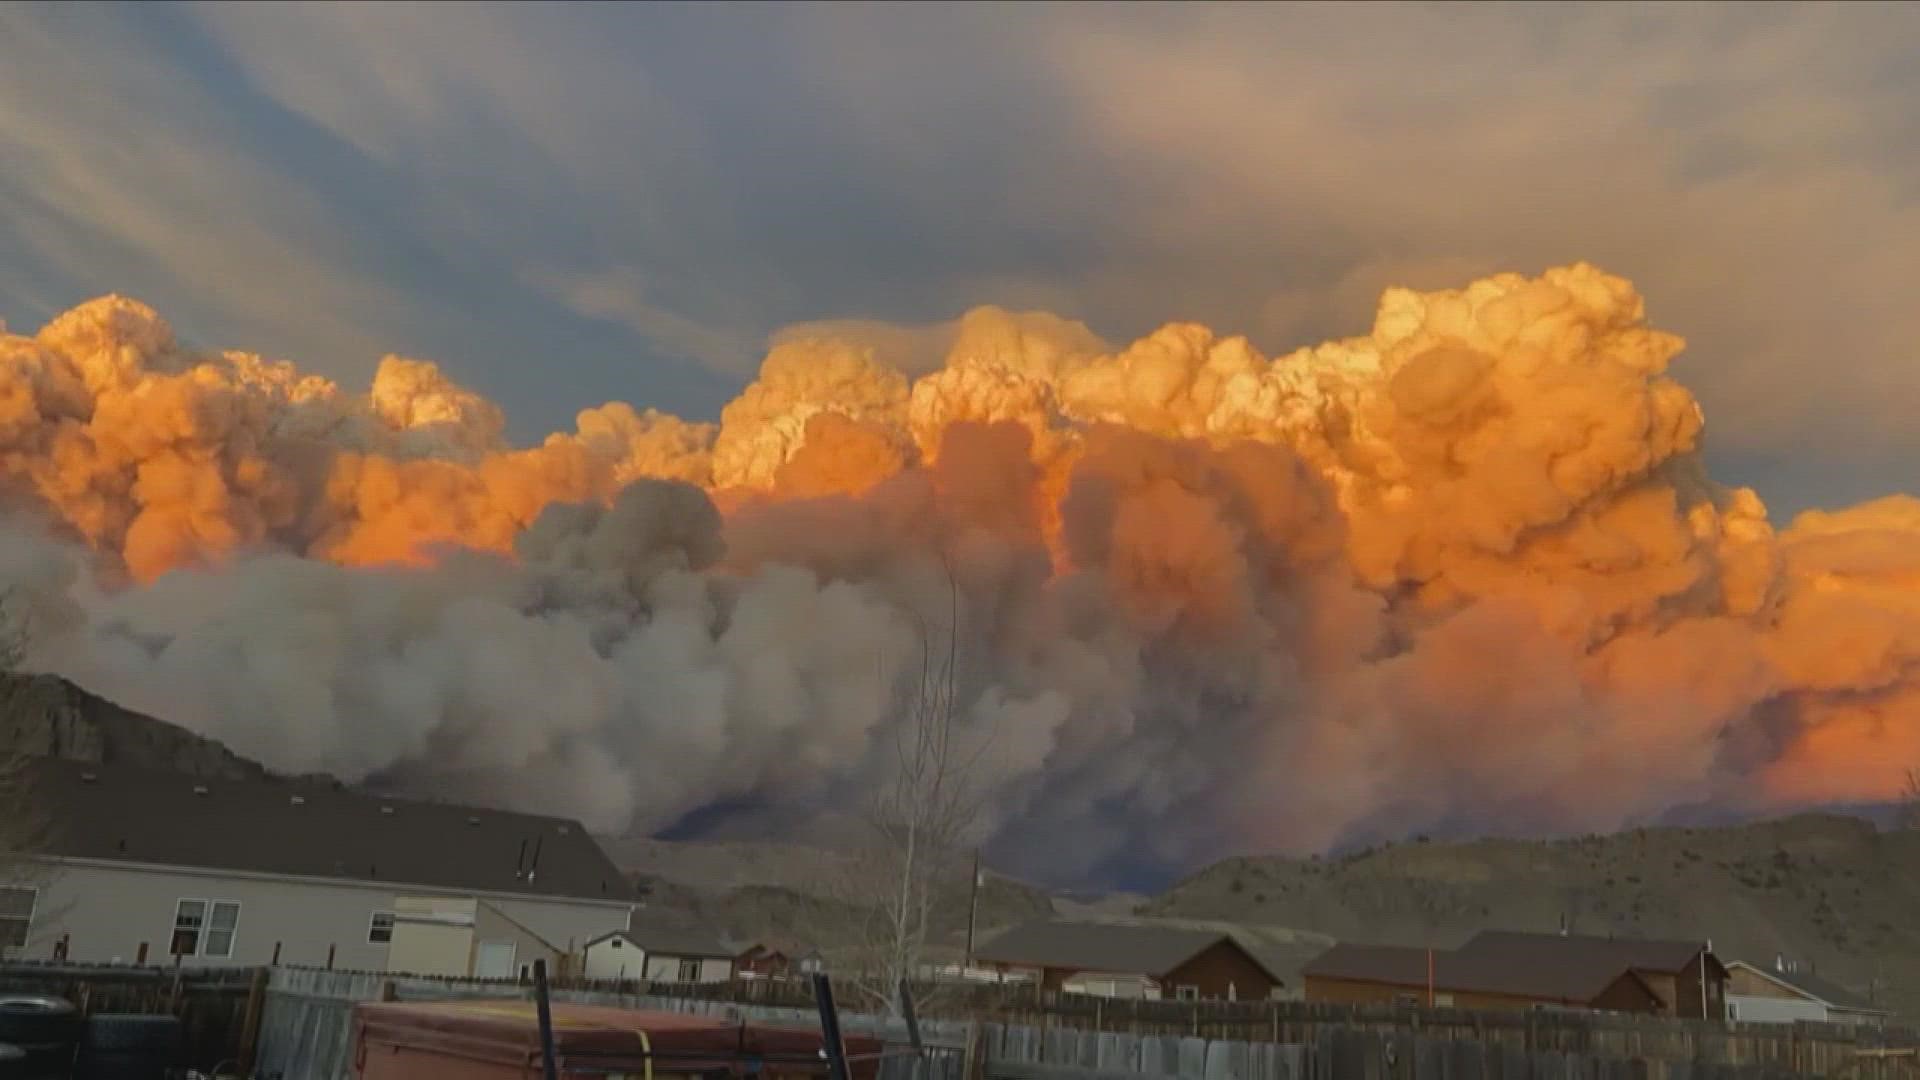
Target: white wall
point(667, 969)
point(421, 948)
point(110, 910)
point(615, 959)
point(1751, 1009)
point(1112, 986)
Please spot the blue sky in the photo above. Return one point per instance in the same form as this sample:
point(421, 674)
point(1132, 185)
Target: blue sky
point(567, 205)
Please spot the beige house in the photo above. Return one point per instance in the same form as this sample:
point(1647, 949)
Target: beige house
point(140, 866)
point(658, 954)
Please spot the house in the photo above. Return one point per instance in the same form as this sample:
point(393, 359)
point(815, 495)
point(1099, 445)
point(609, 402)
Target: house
point(1783, 994)
point(774, 960)
point(140, 866)
point(1504, 969)
point(1689, 980)
point(658, 954)
point(1131, 960)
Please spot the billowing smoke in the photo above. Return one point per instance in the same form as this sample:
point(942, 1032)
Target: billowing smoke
point(1464, 572)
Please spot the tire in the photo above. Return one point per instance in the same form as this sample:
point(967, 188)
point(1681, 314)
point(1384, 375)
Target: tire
point(36, 1018)
point(160, 1037)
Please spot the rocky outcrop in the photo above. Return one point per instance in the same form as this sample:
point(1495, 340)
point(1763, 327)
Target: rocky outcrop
point(47, 716)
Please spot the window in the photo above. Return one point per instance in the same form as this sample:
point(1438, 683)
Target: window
point(689, 971)
point(205, 927)
point(16, 915)
point(380, 930)
point(1187, 993)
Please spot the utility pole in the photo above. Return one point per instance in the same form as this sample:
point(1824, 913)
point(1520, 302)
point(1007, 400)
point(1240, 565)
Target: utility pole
point(973, 909)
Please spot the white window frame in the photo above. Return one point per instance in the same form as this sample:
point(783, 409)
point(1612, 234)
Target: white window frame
point(33, 912)
point(699, 966)
point(1186, 992)
point(373, 923)
point(206, 928)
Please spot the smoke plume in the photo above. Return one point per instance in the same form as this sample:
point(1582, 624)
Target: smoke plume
point(1465, 572)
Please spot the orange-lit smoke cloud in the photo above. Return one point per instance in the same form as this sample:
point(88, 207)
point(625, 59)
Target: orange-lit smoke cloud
point(1464, 571)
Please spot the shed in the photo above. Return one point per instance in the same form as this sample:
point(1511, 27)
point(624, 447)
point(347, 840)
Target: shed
point(658, 954)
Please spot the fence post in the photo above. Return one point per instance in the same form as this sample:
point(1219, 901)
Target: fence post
point(250, 1026)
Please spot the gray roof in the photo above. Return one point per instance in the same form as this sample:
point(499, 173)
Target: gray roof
point(673, 941)
point(1113, 948)
point(125, 814)
point(1817, 988)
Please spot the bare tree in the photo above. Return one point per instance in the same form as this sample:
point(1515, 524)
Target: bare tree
point(1910, 801)
point(918, 821)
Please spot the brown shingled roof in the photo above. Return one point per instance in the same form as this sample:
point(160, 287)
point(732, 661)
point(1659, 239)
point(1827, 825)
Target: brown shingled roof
point(1639, 954)
point(1111, 948)
point(123, 814)
point(1544, 967)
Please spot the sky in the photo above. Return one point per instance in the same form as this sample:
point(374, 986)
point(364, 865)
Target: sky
point(572, 204)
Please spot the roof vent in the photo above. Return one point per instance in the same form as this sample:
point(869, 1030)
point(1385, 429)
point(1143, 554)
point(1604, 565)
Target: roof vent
point(387, 810)
point(199, 789)
point(564, 830)
point(298, 800)
point(88, 777)
point(474, 820)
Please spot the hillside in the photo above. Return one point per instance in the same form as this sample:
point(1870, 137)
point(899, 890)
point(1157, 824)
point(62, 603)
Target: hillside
point(791, 891)
point(47, 716)
point(1828, 890)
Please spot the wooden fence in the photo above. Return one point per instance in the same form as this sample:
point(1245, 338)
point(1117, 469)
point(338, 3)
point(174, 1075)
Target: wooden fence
point(220, 1007)
point(1021, 1035)
point(1806, 1047)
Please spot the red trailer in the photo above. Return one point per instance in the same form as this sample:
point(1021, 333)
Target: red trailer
point(500, 1040)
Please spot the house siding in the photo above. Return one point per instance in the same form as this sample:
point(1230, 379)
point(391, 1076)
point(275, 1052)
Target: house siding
point(106, 912)
point(1766, 1009)
point(1222, 969)
point(1687, 986)
point(664, 968)
point(1752, 984)
point(1625, 994)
